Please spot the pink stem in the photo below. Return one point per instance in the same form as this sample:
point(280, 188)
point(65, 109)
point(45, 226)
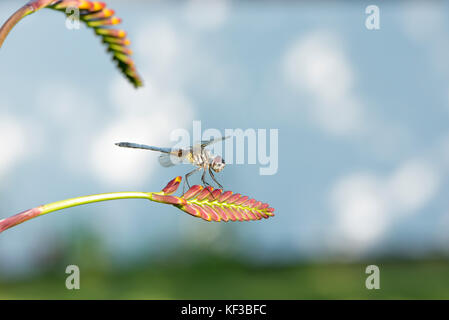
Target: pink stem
point(30, 7)
point(19, 218)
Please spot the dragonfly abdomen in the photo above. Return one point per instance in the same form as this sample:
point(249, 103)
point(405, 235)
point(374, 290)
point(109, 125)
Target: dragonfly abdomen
point(142, 146)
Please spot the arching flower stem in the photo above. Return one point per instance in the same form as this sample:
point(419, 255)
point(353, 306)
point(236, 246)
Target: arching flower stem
point(204, 203)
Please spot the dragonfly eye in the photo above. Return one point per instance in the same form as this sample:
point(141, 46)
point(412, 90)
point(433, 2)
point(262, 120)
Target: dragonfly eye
point(218, 164)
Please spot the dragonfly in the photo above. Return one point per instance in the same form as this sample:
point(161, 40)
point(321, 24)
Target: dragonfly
point(197, 155)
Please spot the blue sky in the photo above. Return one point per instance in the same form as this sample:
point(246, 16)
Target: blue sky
point(362, 119)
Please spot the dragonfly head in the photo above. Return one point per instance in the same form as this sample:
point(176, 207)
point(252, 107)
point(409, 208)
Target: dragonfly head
point(218, 164)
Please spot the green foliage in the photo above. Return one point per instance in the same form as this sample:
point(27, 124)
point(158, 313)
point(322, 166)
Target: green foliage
point(212, 277)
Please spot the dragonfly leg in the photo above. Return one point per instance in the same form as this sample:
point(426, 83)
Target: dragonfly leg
point(187, 179)
point(213, 178)
point(203, 179)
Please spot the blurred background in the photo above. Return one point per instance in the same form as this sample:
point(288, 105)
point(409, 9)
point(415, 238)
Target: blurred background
point(363, 170)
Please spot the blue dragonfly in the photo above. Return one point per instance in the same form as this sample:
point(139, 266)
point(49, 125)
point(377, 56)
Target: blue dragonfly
point(197, 155)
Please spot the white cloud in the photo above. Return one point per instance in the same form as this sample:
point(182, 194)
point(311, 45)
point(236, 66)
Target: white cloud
point(340, 117)
point(145, 116)
point(66, 102)
point(68, 120)
point(176, 58)
point(424, 23)
point(317, 64)
point(14, 138)
point(422, 20)
point(210, 14)
point(412, 185)
point(159, 43)
point(365, 206)
point(443, 152)
point(360, 210)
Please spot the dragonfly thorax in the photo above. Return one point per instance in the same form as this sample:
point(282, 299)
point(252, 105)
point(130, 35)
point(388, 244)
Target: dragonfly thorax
point(205, 159)
point(202, 159)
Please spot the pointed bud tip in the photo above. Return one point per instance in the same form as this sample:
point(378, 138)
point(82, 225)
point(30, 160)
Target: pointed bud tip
point(172, 186)
point(98, 5)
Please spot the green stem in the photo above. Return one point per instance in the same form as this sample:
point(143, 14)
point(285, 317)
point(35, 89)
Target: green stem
point(59, 205)
point(68, 203)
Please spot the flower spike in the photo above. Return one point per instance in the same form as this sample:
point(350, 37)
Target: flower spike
point(215, 205)
point(95, 15)
point(205, 203)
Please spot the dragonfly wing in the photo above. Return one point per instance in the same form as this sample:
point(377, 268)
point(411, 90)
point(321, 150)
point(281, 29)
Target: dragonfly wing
point(169, 160)
point(205, 143)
